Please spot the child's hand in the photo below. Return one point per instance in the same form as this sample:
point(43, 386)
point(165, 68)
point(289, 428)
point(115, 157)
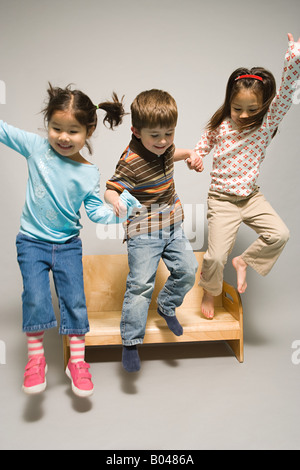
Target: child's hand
point(120, 209)
point(291, 38)
point(194, 162)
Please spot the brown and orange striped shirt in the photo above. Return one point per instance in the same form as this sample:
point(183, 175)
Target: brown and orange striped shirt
point(149, 178)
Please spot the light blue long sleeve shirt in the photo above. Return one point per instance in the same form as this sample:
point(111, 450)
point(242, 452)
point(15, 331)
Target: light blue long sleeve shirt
point(56, 188)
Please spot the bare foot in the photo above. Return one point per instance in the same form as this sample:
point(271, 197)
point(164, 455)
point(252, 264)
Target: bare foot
point(207, 306)
point(241, 270)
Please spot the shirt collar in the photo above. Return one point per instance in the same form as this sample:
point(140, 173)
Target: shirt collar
point(137, 147)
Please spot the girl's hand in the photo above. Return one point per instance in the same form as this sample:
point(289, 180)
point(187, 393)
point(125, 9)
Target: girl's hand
point(291, 38)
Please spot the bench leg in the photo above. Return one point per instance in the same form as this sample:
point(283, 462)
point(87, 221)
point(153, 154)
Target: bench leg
point(237, 347)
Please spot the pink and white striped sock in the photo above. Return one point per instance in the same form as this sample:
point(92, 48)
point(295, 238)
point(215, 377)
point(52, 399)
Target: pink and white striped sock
point(35, 344)
point(77, 348)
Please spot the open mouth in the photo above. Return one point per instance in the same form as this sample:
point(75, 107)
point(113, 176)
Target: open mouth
point(64, 147)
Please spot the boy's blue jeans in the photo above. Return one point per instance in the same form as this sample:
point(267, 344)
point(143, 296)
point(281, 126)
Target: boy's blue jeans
point(144, 253)
point(36, 258)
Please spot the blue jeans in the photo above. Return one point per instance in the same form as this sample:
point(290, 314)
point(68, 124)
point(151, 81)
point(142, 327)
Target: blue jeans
point(144, 253)
point(36, 258)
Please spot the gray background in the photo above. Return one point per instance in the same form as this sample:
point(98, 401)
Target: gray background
point(186, 396)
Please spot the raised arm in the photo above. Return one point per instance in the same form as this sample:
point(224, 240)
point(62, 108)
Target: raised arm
point(21, 141)
point(284, 97)
point(291, 38)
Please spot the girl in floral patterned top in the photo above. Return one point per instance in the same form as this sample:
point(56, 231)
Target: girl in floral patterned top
point(240, 132)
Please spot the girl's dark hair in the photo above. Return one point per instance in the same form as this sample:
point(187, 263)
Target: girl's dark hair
point(265, 88)
point(65, 99)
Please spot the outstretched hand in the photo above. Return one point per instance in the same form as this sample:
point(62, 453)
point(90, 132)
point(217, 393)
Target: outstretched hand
point(291, 38)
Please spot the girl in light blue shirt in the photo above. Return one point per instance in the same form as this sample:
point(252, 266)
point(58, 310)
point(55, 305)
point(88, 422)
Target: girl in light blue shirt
point(59, 181)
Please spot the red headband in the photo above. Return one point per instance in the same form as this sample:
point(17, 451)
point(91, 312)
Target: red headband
point(250, 76)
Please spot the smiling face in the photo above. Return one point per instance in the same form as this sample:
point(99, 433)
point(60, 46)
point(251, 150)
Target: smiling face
point(156, 140)
point(66, 135)
point(245, 104)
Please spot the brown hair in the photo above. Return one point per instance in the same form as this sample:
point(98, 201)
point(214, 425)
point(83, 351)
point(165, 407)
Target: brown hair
point(154, 108)
point(64, 99)
point(265, 88)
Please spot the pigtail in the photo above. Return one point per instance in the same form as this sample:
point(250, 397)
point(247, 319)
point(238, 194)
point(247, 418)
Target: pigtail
point(114, 111)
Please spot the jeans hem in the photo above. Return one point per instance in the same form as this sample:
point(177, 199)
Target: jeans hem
point(46, 326)
point(72, 331)
point(167, 314)
point(133, 342)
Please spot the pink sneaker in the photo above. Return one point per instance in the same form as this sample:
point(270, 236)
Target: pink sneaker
point(82, 384)
point(35, 375)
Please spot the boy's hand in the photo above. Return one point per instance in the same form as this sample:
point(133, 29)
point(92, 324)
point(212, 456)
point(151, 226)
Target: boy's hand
point(194, 162)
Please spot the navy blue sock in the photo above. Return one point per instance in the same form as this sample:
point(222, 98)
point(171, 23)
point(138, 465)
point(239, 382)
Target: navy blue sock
point(172, 323)
point(131, 359)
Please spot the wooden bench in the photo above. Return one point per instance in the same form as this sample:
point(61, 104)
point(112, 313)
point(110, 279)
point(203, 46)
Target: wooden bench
point(105, 282)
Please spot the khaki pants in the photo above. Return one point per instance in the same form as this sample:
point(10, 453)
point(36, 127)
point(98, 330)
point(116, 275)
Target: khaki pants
point(225, 215)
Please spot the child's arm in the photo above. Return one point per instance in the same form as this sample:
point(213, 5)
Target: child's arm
point(122, 180)
point(284, 97)
point(291, 38)
point(18, 140)
point(113, 198)
point(99, 213)
point(193, 161)
point(206, 143)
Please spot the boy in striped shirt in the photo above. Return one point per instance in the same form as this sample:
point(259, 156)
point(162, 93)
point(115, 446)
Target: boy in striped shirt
point(146, 170)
